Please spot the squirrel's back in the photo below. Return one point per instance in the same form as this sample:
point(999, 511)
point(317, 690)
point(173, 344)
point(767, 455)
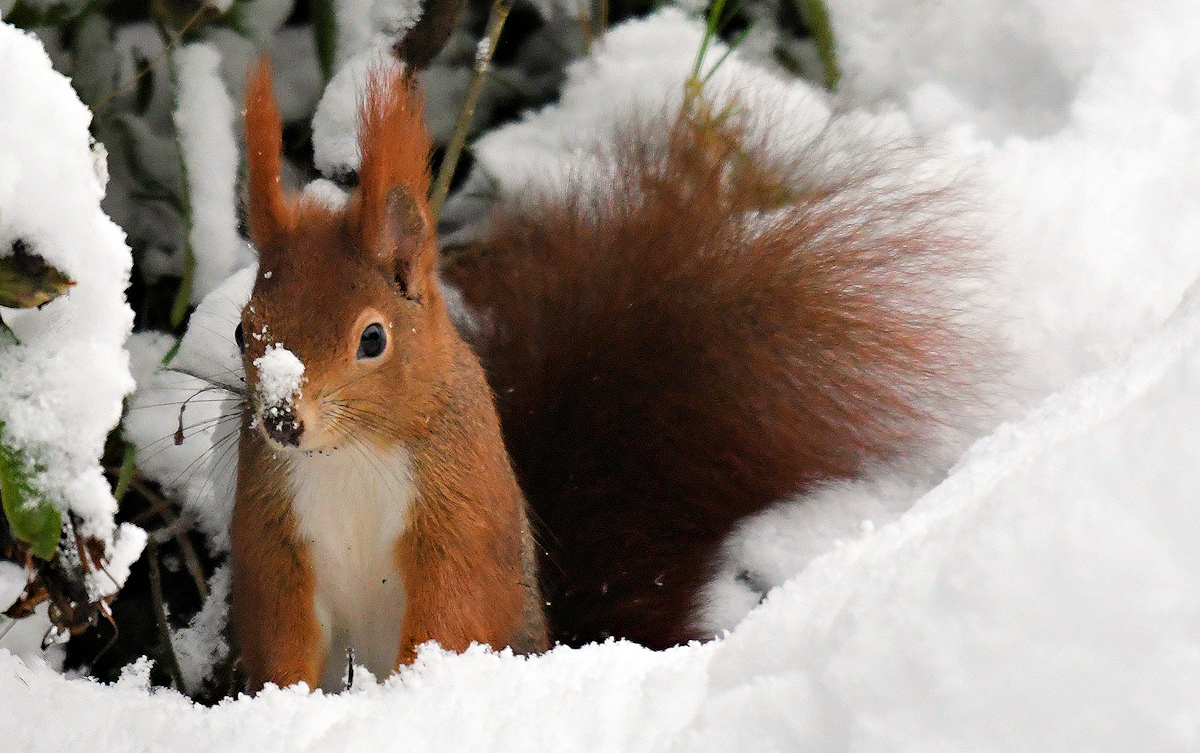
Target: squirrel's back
point(695, 333)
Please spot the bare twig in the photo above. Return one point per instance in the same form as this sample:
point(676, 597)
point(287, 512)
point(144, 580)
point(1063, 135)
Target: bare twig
point(158, 502)
point(601, 17)
point(483, 59)
point(160, 615)
point(170, 44)
point(192, 562)
point(162, 507)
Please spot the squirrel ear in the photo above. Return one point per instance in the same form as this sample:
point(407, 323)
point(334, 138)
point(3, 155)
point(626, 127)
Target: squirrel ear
point(406, 248)
point(271, 216)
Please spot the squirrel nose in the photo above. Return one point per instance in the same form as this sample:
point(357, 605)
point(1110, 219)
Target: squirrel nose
point(282, 424)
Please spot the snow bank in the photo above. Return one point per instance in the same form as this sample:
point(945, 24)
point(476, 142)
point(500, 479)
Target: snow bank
point(1042, 597)
point(61, 388)
point(1086, 122)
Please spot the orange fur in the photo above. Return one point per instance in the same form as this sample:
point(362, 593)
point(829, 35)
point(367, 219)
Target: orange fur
point(271, 606)
point(271, 215)
point(418, 415)
point(395, 152)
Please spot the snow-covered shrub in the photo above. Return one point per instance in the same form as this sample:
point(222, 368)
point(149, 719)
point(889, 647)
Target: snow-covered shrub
point(63, 367)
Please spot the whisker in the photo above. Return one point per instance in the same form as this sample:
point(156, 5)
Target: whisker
point(154, 449)
point(226, 445)
point(198, 462)
point(234, 388)
point(173, 403)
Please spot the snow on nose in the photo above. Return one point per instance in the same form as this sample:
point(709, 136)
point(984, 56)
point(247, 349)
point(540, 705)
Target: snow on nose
point(280, 377)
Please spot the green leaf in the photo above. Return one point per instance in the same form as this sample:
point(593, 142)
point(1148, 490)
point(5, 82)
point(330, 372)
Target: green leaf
point(7, 336)
point(183, 298)
point(325, 30)
point(30, 515)
point(711, 26)
point(26, 280)
point(29, 16)
point(126, 476)
point(816, 17)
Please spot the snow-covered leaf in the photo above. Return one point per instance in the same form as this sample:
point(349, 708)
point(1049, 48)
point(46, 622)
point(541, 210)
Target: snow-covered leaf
point(30, 515)
point(26, 280)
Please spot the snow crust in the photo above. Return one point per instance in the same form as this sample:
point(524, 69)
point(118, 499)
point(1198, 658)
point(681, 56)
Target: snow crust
point(61, 388)
point(1041, 596)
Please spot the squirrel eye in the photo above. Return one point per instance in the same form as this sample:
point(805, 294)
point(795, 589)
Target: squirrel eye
point(372, 341)
point(239, 337)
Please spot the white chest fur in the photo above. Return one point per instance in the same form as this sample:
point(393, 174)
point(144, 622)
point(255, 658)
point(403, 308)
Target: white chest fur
point(352, 506)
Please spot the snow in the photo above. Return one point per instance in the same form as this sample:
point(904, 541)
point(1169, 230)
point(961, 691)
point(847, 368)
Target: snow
point(204, 117)
point(200, 645)
point(264, 17)
point(280, 375)
point(61, 388)
point(127, 543)
point(364, 25)
point(335, 123)
point(1041, 595)
point(192, 451)
point(12, 584)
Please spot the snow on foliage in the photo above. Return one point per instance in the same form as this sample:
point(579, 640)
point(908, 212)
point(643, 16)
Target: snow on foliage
point(364, 25)
point(184, 418)
point(205, 120)
point(13, 578)
point(335, 123)
point(61, 387)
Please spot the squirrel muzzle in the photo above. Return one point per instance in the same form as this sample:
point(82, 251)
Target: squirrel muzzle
point(281, 424)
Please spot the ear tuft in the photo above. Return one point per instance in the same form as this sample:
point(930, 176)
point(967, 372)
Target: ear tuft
point(271, 216)
point(390, 212)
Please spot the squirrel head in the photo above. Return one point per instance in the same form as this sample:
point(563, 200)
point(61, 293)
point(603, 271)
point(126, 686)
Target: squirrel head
point(345, 331)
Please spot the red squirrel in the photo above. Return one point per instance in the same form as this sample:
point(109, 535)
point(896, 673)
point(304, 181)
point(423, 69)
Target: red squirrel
point(376, 508)
point(704, 330)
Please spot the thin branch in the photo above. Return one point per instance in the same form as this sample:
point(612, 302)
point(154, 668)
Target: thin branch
point(162, 507)
point(160, 615)
point(192, 562)
point(483, 60)
point(170, 44)
point(157, 501)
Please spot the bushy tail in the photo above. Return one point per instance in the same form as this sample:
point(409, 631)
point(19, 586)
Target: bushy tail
point(697, 332)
